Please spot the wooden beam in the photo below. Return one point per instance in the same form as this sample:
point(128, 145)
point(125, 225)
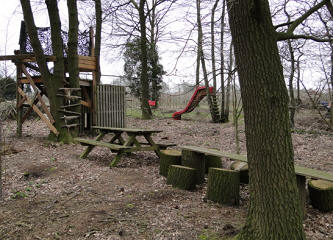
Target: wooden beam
point(36, 89)
point(40, 114)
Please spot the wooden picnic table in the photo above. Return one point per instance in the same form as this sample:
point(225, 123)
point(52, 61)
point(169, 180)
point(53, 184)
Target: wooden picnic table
point(124, 140)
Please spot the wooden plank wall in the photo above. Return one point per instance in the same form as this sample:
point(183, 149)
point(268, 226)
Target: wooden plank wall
point(110, 106)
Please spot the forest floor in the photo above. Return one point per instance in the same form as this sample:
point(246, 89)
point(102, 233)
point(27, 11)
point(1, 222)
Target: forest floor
point(65, 197)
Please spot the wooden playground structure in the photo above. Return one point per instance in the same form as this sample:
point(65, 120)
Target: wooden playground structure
point(101, 105)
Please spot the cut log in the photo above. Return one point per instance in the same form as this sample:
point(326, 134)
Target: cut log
point(212, 161)
point(223, 186)
point(321, 195)
point(301, 184)
point(243, 169)
point(169, 157)
point(197, 161)
point(181, 177)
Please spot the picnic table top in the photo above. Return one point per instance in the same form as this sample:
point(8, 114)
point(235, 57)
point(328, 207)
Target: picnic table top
point(303, 171)
point(127, 130)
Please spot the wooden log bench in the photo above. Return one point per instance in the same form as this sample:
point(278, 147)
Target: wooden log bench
point(301, 172)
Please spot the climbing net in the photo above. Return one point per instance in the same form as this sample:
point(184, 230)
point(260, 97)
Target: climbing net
point(44, 36)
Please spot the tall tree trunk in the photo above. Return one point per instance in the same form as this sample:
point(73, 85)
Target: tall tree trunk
point(213, 111)
point(72, 57)
point(146, 111)
point(275, 209)
point(212, 35)
point(292, 102)
point(229, 80)
point(223, 118)
point(298, 98)
point(58, 76)
point(98, 38)
point(154, 58)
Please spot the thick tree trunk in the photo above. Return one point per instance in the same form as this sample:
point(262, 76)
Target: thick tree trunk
point(72, 58)
point(223, 186)
point(181, 177)
point(58, 77)
point(146, 111)
point(275, 209)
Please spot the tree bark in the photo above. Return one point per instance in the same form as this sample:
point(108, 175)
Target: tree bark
point(275, 209)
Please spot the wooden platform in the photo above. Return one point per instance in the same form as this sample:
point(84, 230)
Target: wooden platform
point(302, 171)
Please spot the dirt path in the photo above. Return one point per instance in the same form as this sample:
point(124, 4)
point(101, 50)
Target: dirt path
point(64, 197)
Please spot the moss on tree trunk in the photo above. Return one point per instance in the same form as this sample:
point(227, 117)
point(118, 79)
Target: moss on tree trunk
point(182, 177)
point(169, 157)
point(223, 186)
point(321, 195)
point(197, 161)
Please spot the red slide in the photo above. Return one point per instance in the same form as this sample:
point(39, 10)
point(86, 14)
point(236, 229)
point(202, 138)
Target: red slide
point(197, 96)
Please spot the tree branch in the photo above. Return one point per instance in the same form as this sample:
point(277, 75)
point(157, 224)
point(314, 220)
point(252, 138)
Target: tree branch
point(281, 36)
point(299, 20)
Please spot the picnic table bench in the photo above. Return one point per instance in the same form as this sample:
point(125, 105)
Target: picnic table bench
point(122, 144)
point(301, 171)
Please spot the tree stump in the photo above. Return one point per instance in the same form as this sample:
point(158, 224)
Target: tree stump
point(223, 186)
point(195, 160)
point(321, 195)
point(181, 177)
point(212, 161)
point(169, 157)
point(243, 169)
point(301, 184)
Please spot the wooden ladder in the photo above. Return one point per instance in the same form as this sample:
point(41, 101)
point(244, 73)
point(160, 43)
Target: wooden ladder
point(71, 101)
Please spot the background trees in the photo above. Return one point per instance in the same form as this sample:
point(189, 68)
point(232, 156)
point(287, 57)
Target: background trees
point(7, 88)
point(132, 69)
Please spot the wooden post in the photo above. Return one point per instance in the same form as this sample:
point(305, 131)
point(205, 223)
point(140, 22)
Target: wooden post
point(19, 108)
point(94, 78)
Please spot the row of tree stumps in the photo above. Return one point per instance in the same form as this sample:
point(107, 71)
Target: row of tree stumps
point(186, 169)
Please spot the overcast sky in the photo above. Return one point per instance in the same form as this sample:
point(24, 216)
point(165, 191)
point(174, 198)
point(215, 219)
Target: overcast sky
point(10, 19)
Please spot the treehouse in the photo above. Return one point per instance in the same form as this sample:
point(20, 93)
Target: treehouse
point(101, 105)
